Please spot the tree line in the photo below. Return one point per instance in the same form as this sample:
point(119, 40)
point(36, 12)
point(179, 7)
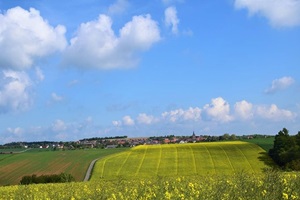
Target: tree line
point(286, 150)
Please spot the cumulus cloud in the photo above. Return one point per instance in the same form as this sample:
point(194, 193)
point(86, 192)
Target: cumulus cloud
point(272, 112)
point(118, 7)
point(128, 121)
point(25, 36)
point(280, 84)
point(97, 46)
point(171, 19)
point(280, 13)
point(180, 114)
point(146, 119)
point(218, 110)
point(15, 91)
point(243, 110)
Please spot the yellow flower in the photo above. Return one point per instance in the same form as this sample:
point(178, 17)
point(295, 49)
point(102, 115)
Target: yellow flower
point(285, 196)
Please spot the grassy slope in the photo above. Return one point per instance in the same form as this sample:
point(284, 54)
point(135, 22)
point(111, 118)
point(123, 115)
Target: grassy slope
point(14, 166)
point(183, 159)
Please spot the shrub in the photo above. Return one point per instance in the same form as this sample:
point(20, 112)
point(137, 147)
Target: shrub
point(54, 178)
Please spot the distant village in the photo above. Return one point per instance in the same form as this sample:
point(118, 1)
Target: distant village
point(124, 141)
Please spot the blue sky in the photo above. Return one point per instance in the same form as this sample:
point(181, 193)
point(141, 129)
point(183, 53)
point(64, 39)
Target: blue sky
point(73, 70)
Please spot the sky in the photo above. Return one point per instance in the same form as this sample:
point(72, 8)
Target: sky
point(96, 68)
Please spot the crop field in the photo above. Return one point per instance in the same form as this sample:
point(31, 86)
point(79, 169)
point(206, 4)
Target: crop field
point(265, 143)
point(218, 170)
point(14, 166)
point(268, 186)
point(216, 158)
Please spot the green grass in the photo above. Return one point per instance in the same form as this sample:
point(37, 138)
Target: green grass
point(265, 143)
point(15, 150)
point(14, 166)
point(221, 158)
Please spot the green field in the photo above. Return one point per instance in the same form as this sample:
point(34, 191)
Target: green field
point(265, 143)
point(223, 158)
point(14, 166)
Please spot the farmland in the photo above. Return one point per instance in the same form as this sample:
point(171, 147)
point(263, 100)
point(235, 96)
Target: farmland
point(212, 170)
point(221, 158)
point(269, 186)
point(14, 166)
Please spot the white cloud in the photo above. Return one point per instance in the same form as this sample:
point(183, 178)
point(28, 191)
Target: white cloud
point(117, 123)
point(281, 13)
point(180, 114)
point(128, 121)
point(118, 7)
point(272, 112)
point(146, 119)
point(97, 46)
point(171, 19)
point(25, 36)
point(59, 125)
point(280, 84)
point(56, 97)
point(15, 91)
point(218, 110)
point(243, 110)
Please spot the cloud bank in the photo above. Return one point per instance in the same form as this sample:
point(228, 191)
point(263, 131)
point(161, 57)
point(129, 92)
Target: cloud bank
point(217, 111)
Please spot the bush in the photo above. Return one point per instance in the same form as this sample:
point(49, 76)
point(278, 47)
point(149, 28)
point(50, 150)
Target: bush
point(54, 178)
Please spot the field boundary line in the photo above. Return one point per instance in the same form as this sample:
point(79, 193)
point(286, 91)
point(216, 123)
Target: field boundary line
point(158, 163)
point(227, 157)
point(176, 160)
point(194, 160)
point(123, 163)
point(142, 161)
point(245, 158)
point(104, 162)
point(211, 159)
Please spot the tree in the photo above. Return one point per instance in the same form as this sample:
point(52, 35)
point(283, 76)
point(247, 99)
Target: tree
point(286, 150)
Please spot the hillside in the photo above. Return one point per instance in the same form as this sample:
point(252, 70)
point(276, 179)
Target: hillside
point(14, 166)
point(183, 159)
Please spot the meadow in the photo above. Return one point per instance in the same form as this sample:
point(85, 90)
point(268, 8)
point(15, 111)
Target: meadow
point(38, 161)
point(220, 158)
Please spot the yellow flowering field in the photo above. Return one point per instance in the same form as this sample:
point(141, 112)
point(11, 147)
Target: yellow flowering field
point(222, 158)
point(270, 185)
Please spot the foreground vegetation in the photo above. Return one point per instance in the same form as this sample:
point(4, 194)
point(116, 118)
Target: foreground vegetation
point(271, 185)
point(221, 158)
point(44, 162)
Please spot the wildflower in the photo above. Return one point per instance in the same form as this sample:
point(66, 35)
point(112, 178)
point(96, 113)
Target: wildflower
point(264, 192)
point(285, 196)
